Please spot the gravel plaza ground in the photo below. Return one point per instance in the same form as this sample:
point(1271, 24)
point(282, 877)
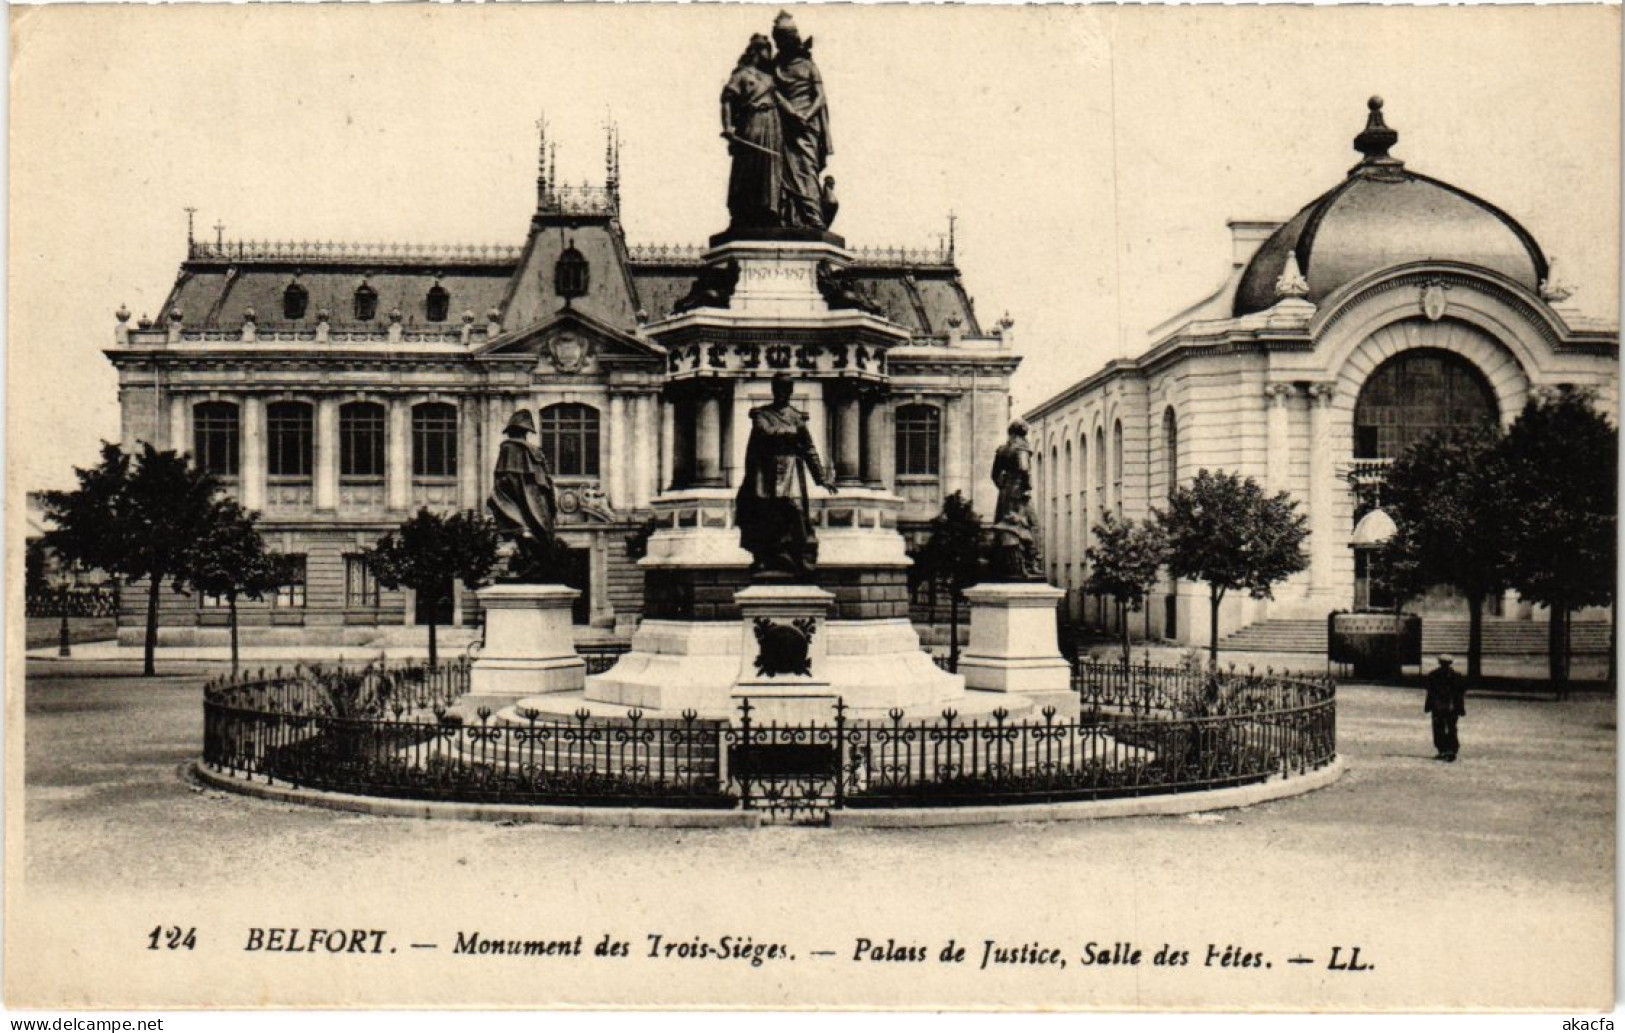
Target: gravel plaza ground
point(1485, 882)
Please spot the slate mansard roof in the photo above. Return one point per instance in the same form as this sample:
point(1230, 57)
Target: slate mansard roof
point(218, 283)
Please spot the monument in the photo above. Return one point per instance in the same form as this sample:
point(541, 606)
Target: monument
point(1013, 639)
point(529, 643)
point(771, 575)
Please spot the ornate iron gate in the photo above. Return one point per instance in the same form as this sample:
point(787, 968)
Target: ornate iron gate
point(793, 773)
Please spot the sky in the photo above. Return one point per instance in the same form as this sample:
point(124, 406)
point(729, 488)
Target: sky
point(1091, 155)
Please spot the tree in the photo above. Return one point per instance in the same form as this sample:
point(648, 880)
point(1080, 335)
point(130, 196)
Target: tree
point(135, 516)
point(1558, 495)
point(231, 561)
point(428, 551)
point(1223, 529)
point(1123, 564)
point(1442, 494)
point(952, 558)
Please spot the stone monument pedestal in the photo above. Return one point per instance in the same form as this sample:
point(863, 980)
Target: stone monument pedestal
point(1013, 642)
point(529, 645)
point(784, 652)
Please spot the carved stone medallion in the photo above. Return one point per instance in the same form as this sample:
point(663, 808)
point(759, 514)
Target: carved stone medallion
point(784, 648)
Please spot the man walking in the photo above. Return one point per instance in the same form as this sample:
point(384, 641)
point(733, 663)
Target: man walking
point(1447, 701)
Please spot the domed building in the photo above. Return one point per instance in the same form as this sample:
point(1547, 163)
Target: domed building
point(1390, 306)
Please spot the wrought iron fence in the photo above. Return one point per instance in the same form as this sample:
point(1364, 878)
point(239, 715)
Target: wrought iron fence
point(382, 731)
point(78, 601)
point(391, 731)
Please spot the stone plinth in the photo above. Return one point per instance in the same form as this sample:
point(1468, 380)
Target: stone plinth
point(1013, 643)
point(529, 644)
point(784, 650)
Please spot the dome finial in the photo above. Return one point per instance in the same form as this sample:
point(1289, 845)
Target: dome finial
point(1376, 138)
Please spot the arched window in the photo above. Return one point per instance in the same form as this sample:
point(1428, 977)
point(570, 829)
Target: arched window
point(366, 304)
point(1068, 477)
point(437, 304)
point(295, 299)
point(1084, 516)
point(291, 442)
point(216, 437)
point(1053, 508)
point(919, 437)
point(1101, 502)
point(569, 437)
point(361, 440)
point(570, 273)
point(1117, 466)
point(434, 440)
point(1416, 393)
point(1170, 448)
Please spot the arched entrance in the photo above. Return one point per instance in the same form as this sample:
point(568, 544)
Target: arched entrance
point(1418, 392)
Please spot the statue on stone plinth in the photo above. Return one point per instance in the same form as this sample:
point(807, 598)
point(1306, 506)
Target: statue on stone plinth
point(751, 125)
point(772, 507)
point(1015, 525)
point(524, 504)
point(804, 111)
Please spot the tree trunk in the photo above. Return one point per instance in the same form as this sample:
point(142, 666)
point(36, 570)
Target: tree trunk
point(150, 648)
point(1557, 648)
point(1122, 617)
point(1475, 638)
point(231, 609)
point(953, 631)
point(434, 655)
point(1214, 596)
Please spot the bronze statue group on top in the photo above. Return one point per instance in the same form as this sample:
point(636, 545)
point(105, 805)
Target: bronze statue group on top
point(775, 117)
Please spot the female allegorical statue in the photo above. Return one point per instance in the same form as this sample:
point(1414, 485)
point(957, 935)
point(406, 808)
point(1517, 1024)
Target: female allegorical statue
point(750, 124)
point(805, 117)
point(772, 510)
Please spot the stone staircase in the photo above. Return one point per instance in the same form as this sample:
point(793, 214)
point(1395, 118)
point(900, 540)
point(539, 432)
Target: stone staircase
point(1439, 635)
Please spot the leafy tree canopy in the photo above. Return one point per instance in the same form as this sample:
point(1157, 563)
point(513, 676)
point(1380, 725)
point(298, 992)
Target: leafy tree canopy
point(1125, 560)
point(1442, 493)
point(1558, 498)
point(429, 548)
point(1224, 530)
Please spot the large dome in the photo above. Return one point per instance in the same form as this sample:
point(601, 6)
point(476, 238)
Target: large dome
point(1384, 215)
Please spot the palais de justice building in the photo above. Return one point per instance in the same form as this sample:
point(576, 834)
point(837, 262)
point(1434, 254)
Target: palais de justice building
point(339, 388)
point(1388, 307)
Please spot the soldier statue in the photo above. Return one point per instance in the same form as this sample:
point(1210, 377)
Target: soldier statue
point(1015, 526)
point(524, 505)
point(772, 508)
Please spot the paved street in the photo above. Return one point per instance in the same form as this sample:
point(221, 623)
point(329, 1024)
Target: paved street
point(1487, 881)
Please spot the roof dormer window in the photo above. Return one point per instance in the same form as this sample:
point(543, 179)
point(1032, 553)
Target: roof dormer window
point(437, 305)
point(295, 299)
point(366, 304)
point(570, 273)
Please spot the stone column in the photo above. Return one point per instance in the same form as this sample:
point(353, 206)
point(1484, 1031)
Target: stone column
point(953, 441)
point(1321, 471)
point(874, 440)
point(326, 488)
point(468, 454)
point(1278, 442)
point(398, 456)
point(178, 440)
point(251, 455)
point(849, 440)
point(668, 442)
point(612, 454)
point(644, 448)
point(708, 440)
